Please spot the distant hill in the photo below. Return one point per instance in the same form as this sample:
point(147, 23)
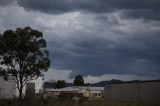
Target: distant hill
point(115, 81)
point(98, 84)
point(103, 83)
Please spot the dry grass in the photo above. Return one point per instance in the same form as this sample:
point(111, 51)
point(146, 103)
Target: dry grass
point(53, 102)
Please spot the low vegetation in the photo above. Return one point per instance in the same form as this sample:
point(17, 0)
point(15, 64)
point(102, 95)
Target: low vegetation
point(54, 102)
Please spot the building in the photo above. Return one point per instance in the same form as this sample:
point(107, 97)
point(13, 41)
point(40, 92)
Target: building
point(36, 84)
point(9, 90)
point(92, 92)
point(88, 92)
point(133, 91)
point(30, 90)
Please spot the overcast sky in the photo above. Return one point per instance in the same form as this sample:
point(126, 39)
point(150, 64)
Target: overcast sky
point(99, 39)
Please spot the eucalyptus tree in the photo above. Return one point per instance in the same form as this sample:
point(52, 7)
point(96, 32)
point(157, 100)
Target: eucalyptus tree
point(23, 56)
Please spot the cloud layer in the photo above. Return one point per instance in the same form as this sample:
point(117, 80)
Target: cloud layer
point(93, 37)
point(134, 9)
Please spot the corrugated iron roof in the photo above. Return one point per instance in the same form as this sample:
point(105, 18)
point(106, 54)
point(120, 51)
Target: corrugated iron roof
point(77, 88)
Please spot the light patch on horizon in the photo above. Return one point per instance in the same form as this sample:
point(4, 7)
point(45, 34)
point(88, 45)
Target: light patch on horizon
point(123, 77)
point(55, 75)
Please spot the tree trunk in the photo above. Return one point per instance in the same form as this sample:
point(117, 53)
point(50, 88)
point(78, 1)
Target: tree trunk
point(21, 93)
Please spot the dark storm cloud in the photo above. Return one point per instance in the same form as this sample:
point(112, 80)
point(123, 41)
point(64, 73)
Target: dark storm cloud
point(127, 47)
point(149, 9)
point(49, 6)
point(6, 2)
point(94, 37)
point(89, 5)
point(94, 56)
point(142, 14)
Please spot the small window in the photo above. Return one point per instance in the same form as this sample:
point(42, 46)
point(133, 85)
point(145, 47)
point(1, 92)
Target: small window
point(95, 94)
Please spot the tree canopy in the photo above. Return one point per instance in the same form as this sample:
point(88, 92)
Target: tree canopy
point(78, 81)
point(23, 56)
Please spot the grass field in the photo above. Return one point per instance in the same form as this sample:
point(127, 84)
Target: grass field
point(52, 102)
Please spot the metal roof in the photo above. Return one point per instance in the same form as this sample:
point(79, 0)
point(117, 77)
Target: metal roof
point(77, 88)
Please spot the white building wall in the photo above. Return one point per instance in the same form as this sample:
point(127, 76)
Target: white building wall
point(8, 89)
point(38, 84)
